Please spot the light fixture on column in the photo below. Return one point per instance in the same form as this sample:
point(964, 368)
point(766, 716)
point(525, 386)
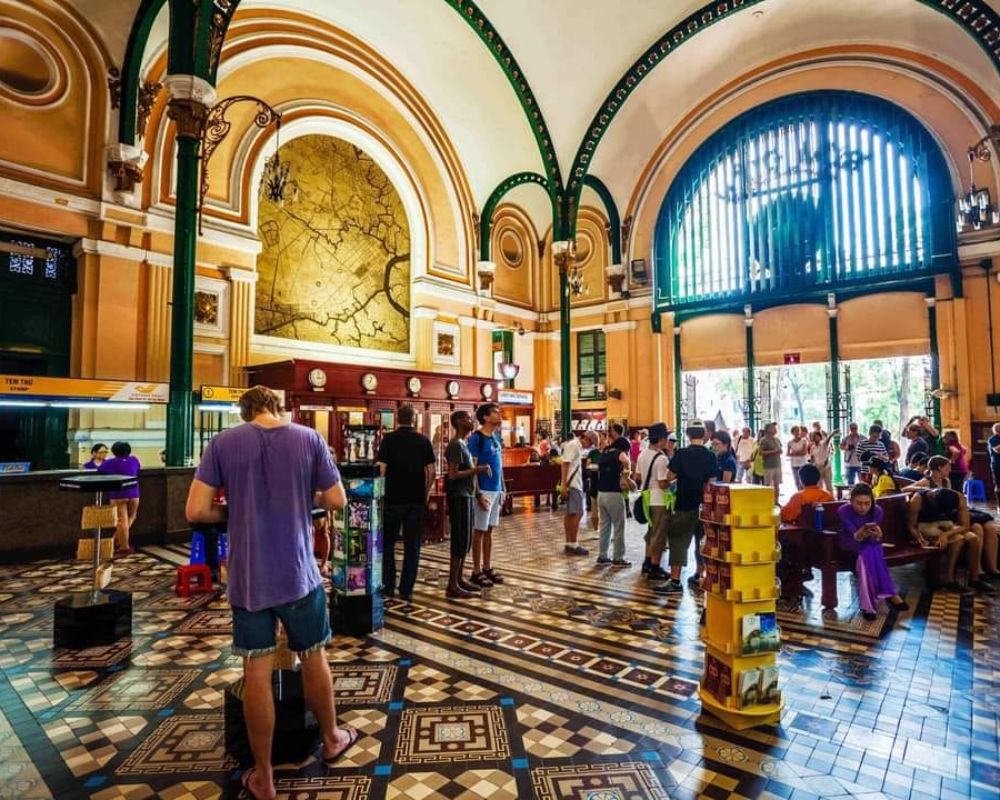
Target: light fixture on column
point(486, 271)
point(276, 181)
point(975, 208)
point(508, 371)
point(616, 277)
point(564, 255)
point(217, 128)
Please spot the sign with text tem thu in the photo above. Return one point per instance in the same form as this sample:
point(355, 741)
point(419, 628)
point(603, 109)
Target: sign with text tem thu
point(40, 386)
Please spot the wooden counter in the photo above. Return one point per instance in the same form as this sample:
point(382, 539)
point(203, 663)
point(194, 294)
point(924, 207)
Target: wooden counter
point(38, 519)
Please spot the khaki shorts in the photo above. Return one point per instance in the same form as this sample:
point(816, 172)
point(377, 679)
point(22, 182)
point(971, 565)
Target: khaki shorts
point(679, 535)
point(656, 533)
point(772, 476)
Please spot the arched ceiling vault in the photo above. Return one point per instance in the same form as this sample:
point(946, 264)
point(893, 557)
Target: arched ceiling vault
point(577, 63)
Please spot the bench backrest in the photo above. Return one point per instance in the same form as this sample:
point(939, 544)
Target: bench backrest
point(894, 522)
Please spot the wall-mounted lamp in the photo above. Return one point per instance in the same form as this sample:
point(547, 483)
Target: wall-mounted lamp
point(942, 393)
point(486, 270)
point(616, 277)
point(509, 371)
point(615, 394)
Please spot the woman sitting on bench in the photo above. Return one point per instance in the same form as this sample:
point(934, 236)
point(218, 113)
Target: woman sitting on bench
point(860, 534)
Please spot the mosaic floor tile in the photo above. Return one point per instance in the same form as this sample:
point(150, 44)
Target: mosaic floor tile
point(428, 685)
point(362, 684)
point(125, 791)
point(87, 745)
point(451, 734)
point(219, 623)
point(192, 790)
point(93, 657)
point(331, 787)
point(182, 744)
point(609, 781)
point(38, 690)
point(477, 783)
point(183, 651)
point(140, 690)
point(552, 735)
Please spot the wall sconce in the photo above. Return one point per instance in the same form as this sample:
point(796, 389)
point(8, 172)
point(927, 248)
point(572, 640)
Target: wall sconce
point(486, 270)
point(975, 208)
point(942, 393)
point(615, 394)
point(616, 277)
point(639, 274)
point(509, 371)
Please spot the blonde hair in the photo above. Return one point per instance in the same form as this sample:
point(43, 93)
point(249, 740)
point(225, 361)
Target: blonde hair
point(257, 400)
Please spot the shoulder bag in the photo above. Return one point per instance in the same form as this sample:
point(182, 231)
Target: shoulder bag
point(640, 508)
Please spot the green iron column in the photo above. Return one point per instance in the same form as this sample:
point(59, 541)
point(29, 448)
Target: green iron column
point(751, 398)
point(835, 421)
point(678, 377)
point(190, 101)
point(935, 361)
point(563, 252)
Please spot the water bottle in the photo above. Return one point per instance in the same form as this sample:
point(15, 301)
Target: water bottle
point(819, 516)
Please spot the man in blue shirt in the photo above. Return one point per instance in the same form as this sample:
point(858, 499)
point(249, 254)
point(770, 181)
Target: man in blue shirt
point(484, 447)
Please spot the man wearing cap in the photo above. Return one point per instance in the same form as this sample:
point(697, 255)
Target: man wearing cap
point(571, 489)
point(651, 472)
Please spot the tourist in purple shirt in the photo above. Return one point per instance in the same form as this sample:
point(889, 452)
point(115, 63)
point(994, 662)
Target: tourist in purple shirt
point(127, 500)
point(861, 534)
point(273, 472)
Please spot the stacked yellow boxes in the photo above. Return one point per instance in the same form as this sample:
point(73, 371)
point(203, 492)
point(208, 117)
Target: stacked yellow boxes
point(740, 683)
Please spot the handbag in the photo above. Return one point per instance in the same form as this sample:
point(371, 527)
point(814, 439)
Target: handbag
point(641, 504)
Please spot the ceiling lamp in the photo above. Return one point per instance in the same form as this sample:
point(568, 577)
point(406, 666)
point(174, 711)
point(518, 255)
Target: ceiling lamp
point(975, 208)
point(509, 371)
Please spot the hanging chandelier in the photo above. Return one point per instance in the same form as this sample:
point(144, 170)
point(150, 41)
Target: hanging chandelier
point(975, 208)
point(276, 182)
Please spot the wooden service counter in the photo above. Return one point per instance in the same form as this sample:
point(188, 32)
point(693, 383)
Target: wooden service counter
point(526, 478)
point(38, 520)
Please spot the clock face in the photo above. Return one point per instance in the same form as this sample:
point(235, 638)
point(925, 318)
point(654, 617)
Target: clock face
point(317, 378)
point(413, 384)
point(487, 390)
point(369, 382)
point(452, 388)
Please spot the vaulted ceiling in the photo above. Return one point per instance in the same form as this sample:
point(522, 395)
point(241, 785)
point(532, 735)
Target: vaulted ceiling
point(573, 53)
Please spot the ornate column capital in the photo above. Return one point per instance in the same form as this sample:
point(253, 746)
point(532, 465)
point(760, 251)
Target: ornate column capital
point(240, 275)
point(191, 98)
point(126, 163)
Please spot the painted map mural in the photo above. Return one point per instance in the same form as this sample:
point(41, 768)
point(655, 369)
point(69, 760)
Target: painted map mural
point(335, 267)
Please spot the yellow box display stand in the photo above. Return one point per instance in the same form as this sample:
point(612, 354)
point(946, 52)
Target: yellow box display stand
point(740, 682)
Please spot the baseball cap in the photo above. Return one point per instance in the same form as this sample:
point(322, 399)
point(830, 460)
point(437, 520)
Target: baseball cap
point(671, 437)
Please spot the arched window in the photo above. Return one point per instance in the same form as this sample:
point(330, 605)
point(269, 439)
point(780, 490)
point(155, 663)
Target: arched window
point(804, 195)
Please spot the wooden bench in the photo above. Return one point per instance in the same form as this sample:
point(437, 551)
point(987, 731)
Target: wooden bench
point(804, 548)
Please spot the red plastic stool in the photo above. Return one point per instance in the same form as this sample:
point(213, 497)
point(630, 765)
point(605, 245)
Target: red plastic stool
point(193, 578)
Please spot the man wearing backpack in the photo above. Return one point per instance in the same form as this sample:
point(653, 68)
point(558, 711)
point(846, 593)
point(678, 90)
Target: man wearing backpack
point(651, 474)
point(571, 490)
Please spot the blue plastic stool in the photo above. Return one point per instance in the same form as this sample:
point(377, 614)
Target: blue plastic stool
point(223, 549)
point(197, 548)
point(974, 491)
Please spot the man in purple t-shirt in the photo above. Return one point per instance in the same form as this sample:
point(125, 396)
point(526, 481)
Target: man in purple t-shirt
point(272, 471)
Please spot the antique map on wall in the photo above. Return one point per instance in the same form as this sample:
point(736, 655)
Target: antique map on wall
point(335, 267)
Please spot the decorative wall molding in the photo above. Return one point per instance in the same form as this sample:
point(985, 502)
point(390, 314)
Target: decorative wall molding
point(211, 307)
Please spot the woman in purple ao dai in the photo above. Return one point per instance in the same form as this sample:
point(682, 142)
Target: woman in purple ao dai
point(860, 533)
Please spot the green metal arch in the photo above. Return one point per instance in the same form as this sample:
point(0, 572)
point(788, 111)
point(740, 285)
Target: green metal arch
point(486, 220)
point(132, 65)
point(614, 219)
point(980, 21)
point(195, 42)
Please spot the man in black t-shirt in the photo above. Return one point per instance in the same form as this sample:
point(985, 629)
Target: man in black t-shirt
point(993, 448)
point(406, 460)
point(692, 467)
point(461, 490)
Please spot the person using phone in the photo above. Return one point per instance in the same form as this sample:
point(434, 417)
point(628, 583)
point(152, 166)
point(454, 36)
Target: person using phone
point(861, 534)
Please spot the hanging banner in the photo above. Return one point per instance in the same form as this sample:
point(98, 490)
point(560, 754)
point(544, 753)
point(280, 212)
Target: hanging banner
point(512, 398)
point(83, 389)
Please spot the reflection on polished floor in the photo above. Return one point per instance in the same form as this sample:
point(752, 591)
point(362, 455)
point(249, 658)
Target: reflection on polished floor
point(568, 681)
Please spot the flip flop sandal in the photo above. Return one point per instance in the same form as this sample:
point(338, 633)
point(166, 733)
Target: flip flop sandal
point(245, 781)
point(352, 738)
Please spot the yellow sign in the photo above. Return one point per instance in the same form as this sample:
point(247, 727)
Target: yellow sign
point(222, 394)
point(83, 389)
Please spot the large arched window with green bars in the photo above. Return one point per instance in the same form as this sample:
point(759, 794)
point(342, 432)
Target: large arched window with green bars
point(804, 195)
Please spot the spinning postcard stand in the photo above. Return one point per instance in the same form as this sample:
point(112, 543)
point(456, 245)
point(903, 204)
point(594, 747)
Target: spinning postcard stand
point(739, 627)
point(356, 604)
point(100, 616)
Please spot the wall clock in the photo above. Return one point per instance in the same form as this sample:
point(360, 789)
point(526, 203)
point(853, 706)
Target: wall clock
point(413, 384)
point(487, 390)
point(369, 382)
point(317, 378)
point(452, 387)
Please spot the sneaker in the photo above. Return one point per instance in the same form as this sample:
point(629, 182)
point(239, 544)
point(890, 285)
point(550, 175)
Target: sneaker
point(647, 565)
point(657, 573)
point(480, 579)
point(621, 562)
point(670, 587)
point(982, 586)
point(694, 582)
point(469, 587)
point(602, 560)
point(493, 575)
point(576, 550)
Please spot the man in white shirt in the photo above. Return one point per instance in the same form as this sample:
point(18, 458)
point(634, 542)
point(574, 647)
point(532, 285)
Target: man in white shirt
point(744, 446)
point(651, 473)
point(571, 490)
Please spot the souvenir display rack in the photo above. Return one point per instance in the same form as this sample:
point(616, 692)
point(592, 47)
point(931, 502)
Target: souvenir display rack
point(356, 603)
point(739, 627)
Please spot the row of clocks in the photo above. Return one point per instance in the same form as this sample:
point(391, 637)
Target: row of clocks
point(369, 382)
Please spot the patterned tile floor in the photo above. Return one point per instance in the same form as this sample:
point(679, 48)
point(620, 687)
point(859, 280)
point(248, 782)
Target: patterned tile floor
point(568, 681)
